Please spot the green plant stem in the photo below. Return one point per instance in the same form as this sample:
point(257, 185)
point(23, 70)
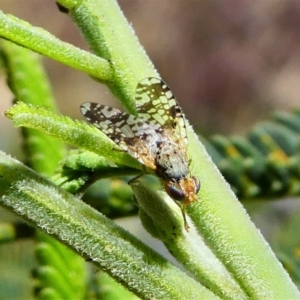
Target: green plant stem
point(81, 168)
point(28, 82)
point(92, 235)
point(76, 133)
point(111, 37)
point(42, 42)
point(228, 231)
point(163, 219)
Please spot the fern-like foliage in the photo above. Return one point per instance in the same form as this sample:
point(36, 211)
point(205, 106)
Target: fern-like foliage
point(265, 162)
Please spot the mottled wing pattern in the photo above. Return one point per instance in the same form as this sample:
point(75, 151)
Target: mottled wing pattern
point(117, 125)
point(157, 137)
point(132, 134)
point(157, 104)
point(159, 116)
point(111, 121)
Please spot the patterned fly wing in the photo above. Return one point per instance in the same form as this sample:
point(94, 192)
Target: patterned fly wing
point(156, 102)
point(124, 129)
point(159, 118)
point(157, 137)
point(111, 121)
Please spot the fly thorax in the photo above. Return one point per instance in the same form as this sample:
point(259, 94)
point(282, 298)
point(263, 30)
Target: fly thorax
point(172, 163)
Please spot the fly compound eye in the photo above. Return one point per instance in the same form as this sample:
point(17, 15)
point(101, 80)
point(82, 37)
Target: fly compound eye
point(197, 184)
point(174, 191)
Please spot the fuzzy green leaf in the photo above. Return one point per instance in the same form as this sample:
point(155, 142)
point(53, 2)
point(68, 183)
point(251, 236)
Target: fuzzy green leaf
point(41, 41)
point(94, 236)
point(76, 133)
